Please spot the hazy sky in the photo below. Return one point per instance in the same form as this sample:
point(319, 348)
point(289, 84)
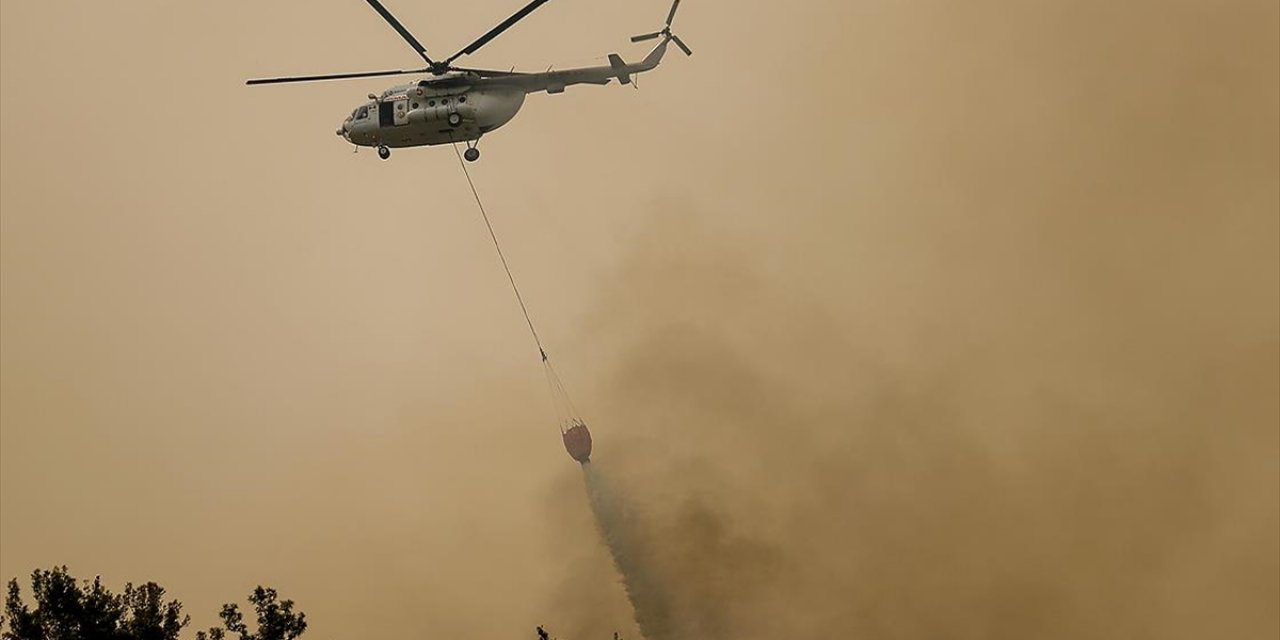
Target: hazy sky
point(901, 319)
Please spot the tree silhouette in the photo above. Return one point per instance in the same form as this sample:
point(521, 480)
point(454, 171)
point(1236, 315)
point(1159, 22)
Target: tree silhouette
point(67, 610)
point(276, 619)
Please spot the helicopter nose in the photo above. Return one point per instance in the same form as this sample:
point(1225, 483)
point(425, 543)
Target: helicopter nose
point(345, 129)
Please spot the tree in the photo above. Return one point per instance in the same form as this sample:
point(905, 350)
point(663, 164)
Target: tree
point(67, 610)
point(276, 619)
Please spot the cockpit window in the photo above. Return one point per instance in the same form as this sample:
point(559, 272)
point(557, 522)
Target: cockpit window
point(362, 113)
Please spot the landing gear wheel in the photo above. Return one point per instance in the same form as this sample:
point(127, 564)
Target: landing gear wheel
point(471, 154)
point(455, 119)
point(384, 152)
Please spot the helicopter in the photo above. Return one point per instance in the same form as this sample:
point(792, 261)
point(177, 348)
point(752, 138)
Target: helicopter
point(459, 104)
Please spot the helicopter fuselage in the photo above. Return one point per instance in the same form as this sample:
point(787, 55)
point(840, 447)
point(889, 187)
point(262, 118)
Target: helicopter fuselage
point(432, 113)
point(458, 104)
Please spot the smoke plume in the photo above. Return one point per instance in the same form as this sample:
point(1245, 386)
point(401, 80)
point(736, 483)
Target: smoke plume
point(999, 360)
point(782, 479)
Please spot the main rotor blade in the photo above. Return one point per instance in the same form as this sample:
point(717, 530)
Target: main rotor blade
point(671, 16)
point(404, 33)
point(647, 36)
point(679, 43)
point(337, 76)
point(496, 31)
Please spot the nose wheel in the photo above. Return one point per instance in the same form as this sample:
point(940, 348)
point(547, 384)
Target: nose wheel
point(383, 152)
point(471, 155)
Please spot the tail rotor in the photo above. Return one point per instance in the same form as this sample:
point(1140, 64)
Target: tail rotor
point(666, 31)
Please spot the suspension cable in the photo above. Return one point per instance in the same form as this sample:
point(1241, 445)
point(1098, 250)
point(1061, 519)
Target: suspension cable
point(483, 214)
point(563, 405)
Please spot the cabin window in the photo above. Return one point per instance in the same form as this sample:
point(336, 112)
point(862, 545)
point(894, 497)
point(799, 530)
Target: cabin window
point(415, 105)
point(431, 103)
point(444, 101)
point(462, 98)
point(362, 113)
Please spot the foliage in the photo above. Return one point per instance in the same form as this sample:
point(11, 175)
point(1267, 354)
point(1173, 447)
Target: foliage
point(67, 610)
point(276, 619)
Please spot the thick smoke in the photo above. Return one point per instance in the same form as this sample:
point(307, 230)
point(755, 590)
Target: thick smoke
point(1000, 361)
point(785, 478)
point(678, 589)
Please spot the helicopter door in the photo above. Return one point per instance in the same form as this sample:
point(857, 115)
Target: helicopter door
point(401, 112)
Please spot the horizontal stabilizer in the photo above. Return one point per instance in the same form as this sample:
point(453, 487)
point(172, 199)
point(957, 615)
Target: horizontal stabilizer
point(620, 66)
